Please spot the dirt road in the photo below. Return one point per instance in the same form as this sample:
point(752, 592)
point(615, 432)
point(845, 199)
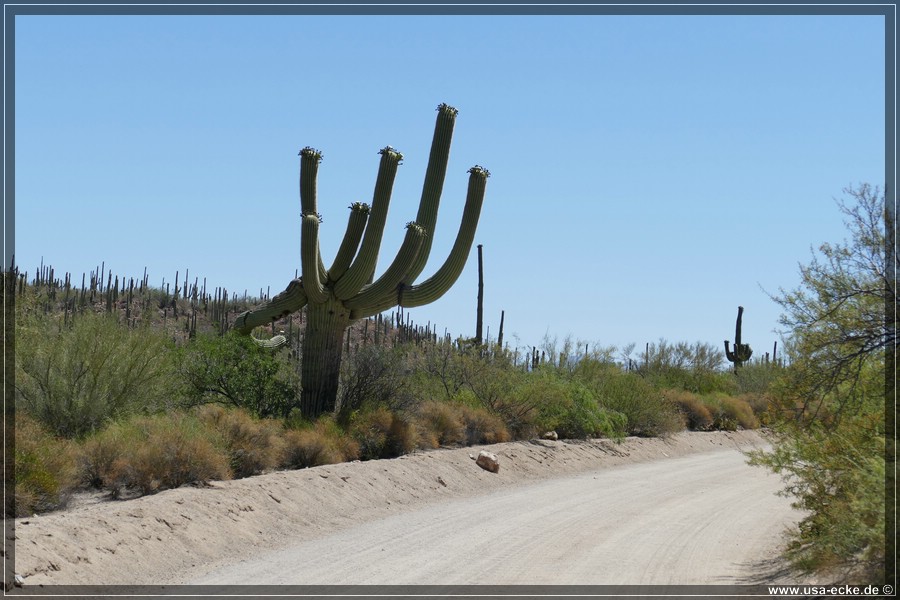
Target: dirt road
point(686, 509)
point(700, 519)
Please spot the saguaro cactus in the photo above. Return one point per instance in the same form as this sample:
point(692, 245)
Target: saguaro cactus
point(742, 352)
point(345, 292)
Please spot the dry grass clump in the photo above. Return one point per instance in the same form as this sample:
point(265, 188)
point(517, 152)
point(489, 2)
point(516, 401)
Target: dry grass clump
point(483, 426)
point(759, 403)
point(452, 424)
point(253, 445)
point(155, 453)
point(440, 424)
point(741, 412)
point(697, 415)
point(383, 434)
point(45, 471)
point(320, 444)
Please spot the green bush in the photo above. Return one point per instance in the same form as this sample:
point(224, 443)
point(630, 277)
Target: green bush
point(496, 386)
point(756, 377)
point(647, 411)
point(233, 369)
point(74, 379)
point(253, 445)
point(161, 452)
point(570, 408)
point(45, 472)
point(837, 477)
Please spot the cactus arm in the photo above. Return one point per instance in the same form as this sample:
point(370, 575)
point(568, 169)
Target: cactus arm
point(435, 286)
point(435, 173)
point(273, 344)
point(313, 283)
point(360, 272)
point(728, 353)
point(356, 225)
point(386, 285)
point(309, 169)
point(292, 299)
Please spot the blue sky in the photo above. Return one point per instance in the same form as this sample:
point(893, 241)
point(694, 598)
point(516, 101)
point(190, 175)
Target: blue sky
point(649, 173)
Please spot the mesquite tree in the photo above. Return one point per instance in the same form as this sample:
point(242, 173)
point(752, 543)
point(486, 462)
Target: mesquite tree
point(345, 292)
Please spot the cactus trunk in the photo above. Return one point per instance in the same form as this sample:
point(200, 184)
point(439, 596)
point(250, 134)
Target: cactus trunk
point(322, 347)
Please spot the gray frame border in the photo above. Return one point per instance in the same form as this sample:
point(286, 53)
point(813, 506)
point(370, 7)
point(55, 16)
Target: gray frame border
point(409, 7)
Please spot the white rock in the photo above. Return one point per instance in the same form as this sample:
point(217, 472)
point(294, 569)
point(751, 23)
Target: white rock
point(488, 461)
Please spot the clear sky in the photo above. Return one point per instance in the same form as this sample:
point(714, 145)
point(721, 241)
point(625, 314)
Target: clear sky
point(648, 173)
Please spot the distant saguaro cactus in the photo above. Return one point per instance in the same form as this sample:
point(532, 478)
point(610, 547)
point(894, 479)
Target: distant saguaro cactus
point(742, 352)
point(346, 292)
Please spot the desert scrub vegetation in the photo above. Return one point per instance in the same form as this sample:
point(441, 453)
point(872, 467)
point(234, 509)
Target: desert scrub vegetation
point(233, 370)
point(253, 445)
point(75, 377)
point(46, 470)
point(321, 443)
point(831, 440)
point(156, 392)
point(147, 454)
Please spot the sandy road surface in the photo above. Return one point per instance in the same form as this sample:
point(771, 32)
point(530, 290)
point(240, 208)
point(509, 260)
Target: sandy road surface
point(700, 519)
point(686, 509)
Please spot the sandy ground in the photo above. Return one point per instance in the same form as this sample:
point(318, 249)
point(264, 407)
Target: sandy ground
point(686, 509)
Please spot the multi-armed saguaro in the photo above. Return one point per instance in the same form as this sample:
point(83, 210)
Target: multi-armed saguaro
point(345, 292)
point(742, 352)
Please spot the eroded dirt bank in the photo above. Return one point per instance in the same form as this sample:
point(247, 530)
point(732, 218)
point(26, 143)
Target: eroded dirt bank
point(178, 536)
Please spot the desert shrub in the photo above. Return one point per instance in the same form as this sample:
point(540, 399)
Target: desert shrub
point(162, 452)
point(730, 414)
point(647, 411)
point(441, 424)
point(382, 433)
point(570, 408)
point(73, 379)
point(836, 475)
point(253, 445)
point(442, 369)
point(756, 377)
point(322, 443)
point(373, 376)
point(46, 469)
point(497, 387)
point(697, 416)
point(233, 369)
point(691, 367)
point(482, 426)
point(101, 450)
point(759, 404)
point(739, 411)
